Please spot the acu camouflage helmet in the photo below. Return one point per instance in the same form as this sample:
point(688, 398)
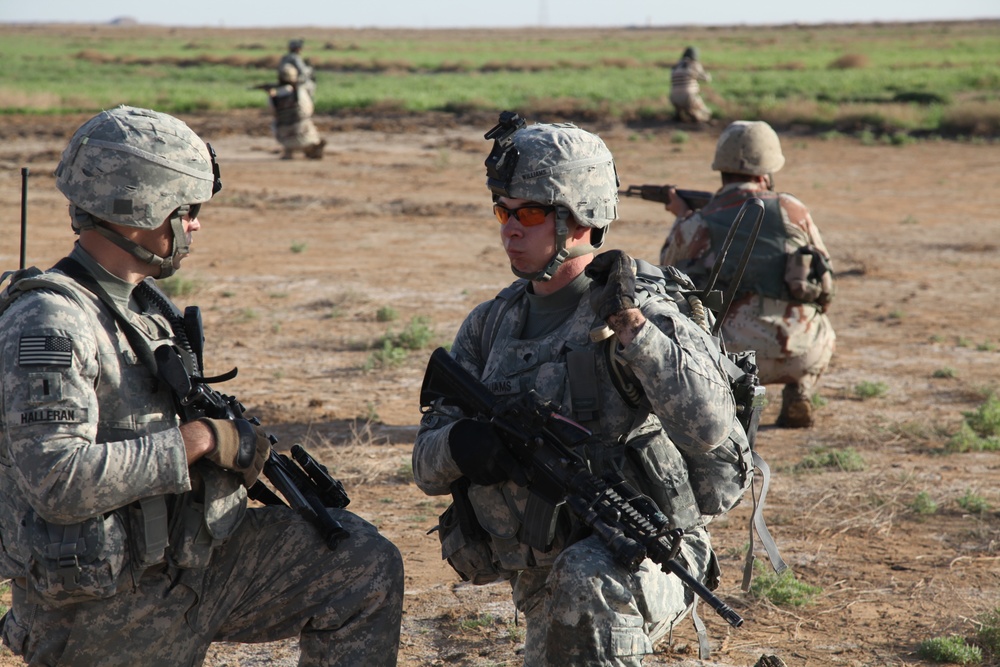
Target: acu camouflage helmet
point(135, 167)
point(748, 147)
point(556, 164)
point(562, 165)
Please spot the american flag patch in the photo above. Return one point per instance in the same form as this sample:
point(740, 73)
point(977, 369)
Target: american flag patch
point(45, 351)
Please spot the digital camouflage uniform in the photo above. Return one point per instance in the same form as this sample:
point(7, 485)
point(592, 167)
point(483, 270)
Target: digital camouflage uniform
point(685, 91)
point(119, 552)
point(581, 607)
point(794, 341)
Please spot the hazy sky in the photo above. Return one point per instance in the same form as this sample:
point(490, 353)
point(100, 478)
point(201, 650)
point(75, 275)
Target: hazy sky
point(470, 13)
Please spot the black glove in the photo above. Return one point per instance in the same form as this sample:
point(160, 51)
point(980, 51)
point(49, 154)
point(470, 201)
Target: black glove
point(240, 446)
point(613, 289)
point(481, 455)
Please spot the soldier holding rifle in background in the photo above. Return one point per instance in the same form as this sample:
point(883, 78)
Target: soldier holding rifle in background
point(780, 310)
point(125, 531)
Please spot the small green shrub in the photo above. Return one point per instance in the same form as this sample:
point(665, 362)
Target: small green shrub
point(783, 590)
point(417, 335)
point(386, 356)
point(848, 460)
point(298, 246)
point(980, 429)
point(386, 314)
point(177, 285)
point(818, 401)
point(865, 390)
point(944, 373)
point(481, 621)
point(988, 635)
point(973, 503)
point(680, 137)
point(922, 503)
point(950, 649)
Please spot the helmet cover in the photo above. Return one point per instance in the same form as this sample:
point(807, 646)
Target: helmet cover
point(561, 164)
point(134, 167)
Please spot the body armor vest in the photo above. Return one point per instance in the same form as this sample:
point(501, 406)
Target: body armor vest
point(765, 271)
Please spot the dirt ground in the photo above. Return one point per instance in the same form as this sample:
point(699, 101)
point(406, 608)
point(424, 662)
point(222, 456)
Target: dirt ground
point(296, 259)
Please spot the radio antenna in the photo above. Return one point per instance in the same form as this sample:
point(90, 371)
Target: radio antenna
point(24, 216)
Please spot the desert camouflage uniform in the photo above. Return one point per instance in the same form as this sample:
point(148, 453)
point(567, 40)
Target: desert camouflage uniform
point(794, 341)
point(684, 91)
point(87, 435)
point(293, 125)
point(581, 607)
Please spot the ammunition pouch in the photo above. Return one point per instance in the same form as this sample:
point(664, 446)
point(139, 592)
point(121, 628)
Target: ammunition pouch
point(75, 562)
point(464, 543)
point(809, 277)
point(205, 516)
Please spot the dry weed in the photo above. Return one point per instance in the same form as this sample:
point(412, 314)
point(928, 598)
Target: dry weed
point(850, 61)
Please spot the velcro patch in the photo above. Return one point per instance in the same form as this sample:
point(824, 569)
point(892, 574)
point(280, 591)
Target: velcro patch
point(45, 351)
point(51, 416)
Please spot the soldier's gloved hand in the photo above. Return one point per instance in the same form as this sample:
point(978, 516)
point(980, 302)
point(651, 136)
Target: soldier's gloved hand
point(613, 289)
point(240, 446)
point(481, 455)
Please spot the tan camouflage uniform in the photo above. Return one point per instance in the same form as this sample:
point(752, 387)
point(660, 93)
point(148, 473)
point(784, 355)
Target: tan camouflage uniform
point(685, 91)
point(581, 607)
point(794, 341)
point(293, 126)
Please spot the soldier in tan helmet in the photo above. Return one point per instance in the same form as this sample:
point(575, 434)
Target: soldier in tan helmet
point(780, 309)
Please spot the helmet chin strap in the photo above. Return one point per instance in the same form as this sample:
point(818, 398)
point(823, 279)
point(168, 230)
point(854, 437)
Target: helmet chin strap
point(168, 265)
point(562, 252)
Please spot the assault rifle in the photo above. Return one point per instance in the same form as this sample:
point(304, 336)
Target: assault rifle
point(545, 444)
point(695, 199)
point(264, 86)
point(305, 483)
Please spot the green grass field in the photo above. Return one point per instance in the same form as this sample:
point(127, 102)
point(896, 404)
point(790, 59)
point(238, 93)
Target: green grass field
point(931, 78)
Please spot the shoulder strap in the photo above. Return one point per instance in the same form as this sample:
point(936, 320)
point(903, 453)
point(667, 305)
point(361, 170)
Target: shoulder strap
point(503, 302)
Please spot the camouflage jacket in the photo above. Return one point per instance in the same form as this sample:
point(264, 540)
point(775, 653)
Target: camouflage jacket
point(91, 457)
point(690, 404)
point(774, 327)
point(685, 75)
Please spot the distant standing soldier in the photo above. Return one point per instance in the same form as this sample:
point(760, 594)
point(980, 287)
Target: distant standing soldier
point(780, 310)
point(684, 88)
point(293, 110)
point(294, 57)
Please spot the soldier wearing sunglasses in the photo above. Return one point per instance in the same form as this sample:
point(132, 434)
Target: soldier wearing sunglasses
point(125, 533)
point(571, 328)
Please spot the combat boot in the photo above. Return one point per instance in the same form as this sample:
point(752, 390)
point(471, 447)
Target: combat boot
point(315, 152)
point(796, 408)
point(287, 154)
